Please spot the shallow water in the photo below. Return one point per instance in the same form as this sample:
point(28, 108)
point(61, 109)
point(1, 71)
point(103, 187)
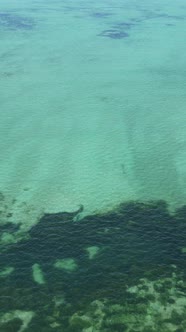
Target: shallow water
point(92, 112)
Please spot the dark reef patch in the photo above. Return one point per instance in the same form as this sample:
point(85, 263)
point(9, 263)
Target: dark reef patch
point(9, 227)
point(13, 21)
point(135, 240)
point(125, 25)
point(148, 14)
point(100, 14)
point(114, 34)
point(12, 326)
point(165, 15)
point(6, 74)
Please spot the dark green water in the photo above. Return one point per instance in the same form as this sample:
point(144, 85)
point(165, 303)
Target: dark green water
point(138, 245)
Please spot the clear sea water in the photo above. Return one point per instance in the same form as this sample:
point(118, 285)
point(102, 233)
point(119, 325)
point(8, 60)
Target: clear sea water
point(93, 166)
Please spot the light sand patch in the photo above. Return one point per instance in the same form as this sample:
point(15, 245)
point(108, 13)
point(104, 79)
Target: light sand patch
point(92, 251)
point(25, 316)
point(67, 264)
point(7, 238)
point(37, 274)
point(6, 271)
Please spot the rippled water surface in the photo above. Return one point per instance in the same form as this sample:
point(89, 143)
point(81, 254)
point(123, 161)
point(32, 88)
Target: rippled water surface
point(93, 166)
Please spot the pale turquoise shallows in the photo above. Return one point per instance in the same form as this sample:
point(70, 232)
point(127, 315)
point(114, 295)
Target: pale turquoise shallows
point(87, 117)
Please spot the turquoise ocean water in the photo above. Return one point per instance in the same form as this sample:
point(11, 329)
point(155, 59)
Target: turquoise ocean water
point(93, 166)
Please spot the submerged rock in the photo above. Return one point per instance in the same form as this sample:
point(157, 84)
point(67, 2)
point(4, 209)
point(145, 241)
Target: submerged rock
point(114, 34)
point(61, 216)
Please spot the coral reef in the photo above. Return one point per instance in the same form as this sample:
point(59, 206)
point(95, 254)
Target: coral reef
point(157, 306)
